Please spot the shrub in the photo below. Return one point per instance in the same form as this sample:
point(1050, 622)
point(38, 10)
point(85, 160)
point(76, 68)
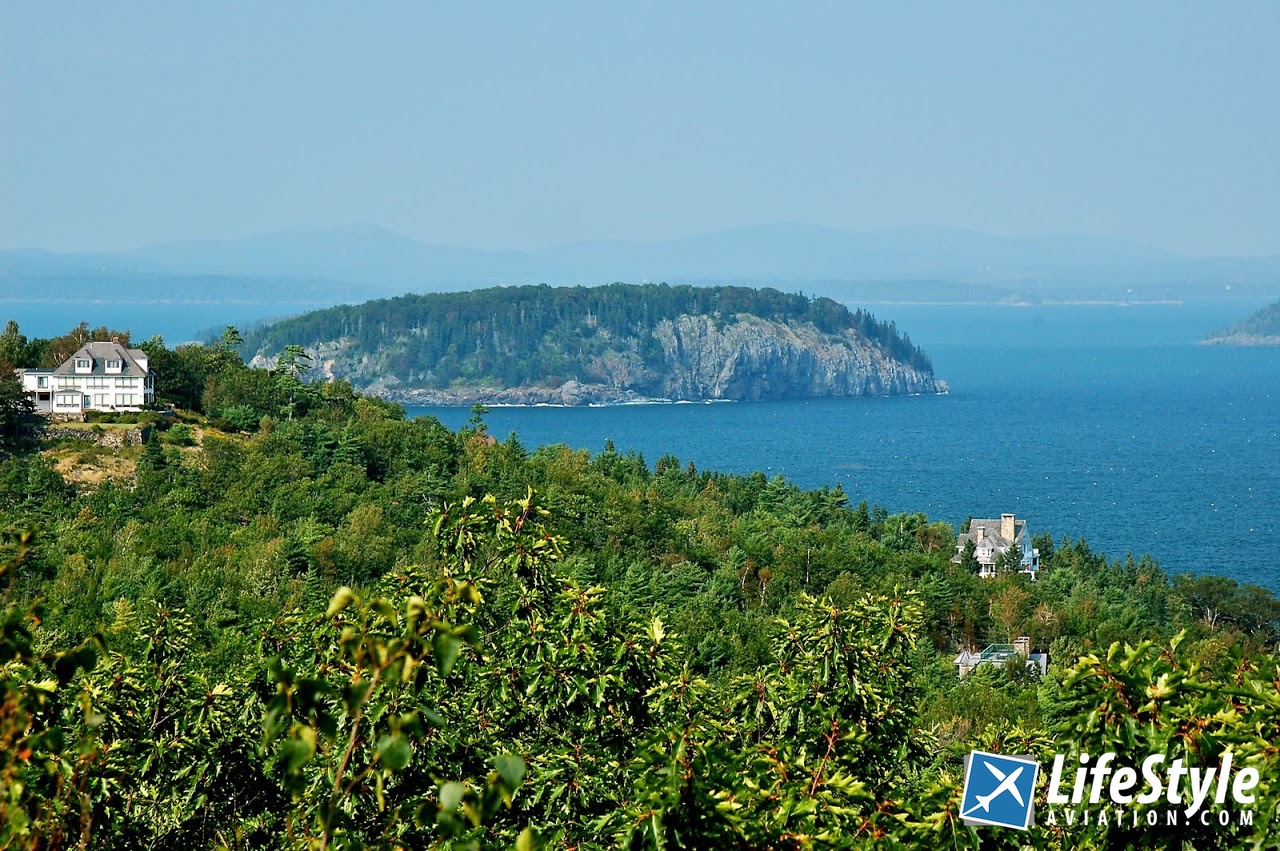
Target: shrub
point(181, 435)
point(241, 417)
point(151, 418)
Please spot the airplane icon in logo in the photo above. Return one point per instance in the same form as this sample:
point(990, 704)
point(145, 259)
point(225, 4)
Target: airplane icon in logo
point(999, 790)
point(1008, 783)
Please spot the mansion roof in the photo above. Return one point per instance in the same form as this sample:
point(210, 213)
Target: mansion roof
point(99, 354)
point(991, 532)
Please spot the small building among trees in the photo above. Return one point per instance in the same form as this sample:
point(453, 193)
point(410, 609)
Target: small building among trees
point(1000, 654)
point(992, 547)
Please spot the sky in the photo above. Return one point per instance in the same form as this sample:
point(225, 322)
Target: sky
point(522, 125)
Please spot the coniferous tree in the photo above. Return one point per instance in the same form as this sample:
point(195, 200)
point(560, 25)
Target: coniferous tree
point(16, 407)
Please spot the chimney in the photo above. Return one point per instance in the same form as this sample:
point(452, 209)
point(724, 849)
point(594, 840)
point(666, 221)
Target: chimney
point(115, 339)
point(982, 532)
point(1006, 527)
point(1022, 646)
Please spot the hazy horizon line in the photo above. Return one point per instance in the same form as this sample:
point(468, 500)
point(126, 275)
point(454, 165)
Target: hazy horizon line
point(375, 227)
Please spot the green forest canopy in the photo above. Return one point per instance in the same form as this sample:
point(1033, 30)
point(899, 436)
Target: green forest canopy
point(1265, 322)
point(336, 627)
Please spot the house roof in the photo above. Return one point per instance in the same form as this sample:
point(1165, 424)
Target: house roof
point(991, 532)
point(100, 353)
point(972, 659)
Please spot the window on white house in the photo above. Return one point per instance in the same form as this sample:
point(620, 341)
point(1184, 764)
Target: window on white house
point(83, 363)
point(123, 382)
point(42, 381)
point(113, 364)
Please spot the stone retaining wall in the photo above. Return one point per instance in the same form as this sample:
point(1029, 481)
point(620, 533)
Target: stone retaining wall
point(112, 438)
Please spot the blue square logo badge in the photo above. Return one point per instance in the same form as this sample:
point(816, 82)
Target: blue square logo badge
point(999, 790)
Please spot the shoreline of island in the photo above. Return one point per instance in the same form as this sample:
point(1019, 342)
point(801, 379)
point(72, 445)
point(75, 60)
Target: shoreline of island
point(573, 394)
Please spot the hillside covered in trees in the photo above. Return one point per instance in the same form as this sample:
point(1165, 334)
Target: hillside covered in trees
point(1260, 329)
point(296, 619)
point(576, 345)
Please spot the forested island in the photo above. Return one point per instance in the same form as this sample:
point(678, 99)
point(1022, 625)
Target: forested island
point(293, 618)
point(1260, 329)
point(615, 343)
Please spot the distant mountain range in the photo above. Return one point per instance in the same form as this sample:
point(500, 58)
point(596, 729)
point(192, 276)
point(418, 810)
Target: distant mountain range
point(902, 264)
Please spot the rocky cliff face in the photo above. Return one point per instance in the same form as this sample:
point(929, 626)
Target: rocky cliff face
point(757, 359)
point(704, 359)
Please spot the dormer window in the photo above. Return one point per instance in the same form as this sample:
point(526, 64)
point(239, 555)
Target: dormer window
point(83, 364)
point(113, 365)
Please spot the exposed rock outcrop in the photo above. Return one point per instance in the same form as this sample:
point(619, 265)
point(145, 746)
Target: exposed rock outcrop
point(757, 359)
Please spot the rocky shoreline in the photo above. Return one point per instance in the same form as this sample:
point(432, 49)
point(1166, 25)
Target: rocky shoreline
point(571, 394)
point(1243, 340)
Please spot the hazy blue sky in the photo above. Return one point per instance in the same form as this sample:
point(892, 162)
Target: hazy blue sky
point(525, 124)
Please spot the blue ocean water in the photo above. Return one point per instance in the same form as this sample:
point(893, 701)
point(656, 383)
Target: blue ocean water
point(1102, 422)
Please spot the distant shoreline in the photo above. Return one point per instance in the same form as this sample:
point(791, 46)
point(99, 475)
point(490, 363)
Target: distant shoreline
point(1081, 303)
point(101, 301)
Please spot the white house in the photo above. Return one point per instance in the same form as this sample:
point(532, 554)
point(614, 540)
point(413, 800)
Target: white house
point(994, 538)
point(98, 377)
